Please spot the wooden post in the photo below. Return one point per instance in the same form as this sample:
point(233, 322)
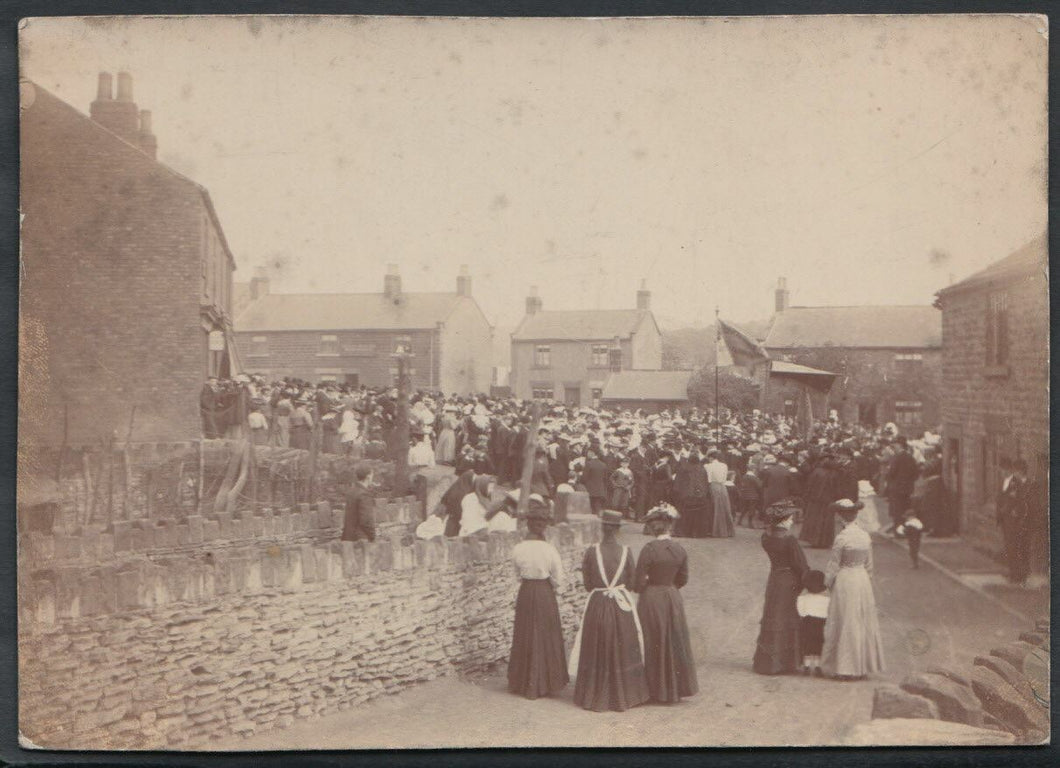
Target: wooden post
point(62, 446)
point(528, 459)
point(314, 448)
point(127, 466)
point(401, 439)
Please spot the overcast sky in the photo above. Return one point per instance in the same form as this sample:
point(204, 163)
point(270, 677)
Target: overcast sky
point(866, 159)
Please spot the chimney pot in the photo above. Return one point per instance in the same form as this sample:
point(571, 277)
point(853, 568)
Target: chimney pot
point(781, 295)
point(644, 296)
point(392, 283)
point(125, 92)
point(105, 90)
point(148, 142)
point(259, 284)
point(533, 301)
point(463, 281)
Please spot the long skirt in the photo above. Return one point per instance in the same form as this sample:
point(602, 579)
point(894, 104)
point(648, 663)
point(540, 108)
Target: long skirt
point(537, 665)
point(852, 643)
point(620, 499)
point(818, 526)
point(668, 663)
point(777, 651)
point(721, 524)
point(300, 437)
point(445, 450)
point(281, 436)
point(610, 668)
point(700, 514)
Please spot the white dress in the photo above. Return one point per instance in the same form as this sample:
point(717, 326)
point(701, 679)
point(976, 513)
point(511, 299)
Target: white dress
point(472, 515)
point(852, 643)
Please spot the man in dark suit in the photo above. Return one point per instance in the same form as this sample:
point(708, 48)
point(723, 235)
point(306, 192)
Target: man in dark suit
point(359, 521)
point(641, 462)
point(594, 478)
point(900, 481)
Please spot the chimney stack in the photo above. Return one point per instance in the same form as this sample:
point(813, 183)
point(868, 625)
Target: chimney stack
point(781, 296)
point(392, 283)
point(120, 115)
point(463, 282)
point(533, 301)
point(644, 297)
point(259, 284)
point(148, 142)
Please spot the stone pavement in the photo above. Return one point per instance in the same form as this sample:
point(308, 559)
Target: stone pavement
point(927, 619)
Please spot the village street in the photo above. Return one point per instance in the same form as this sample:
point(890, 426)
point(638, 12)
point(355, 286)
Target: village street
point(927, 618)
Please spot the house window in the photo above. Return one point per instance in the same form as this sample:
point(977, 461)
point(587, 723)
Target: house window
point(909, 358)
point(329, 346)
point(329, 377)
point(259, 346)
point(543, 356)
point(907, 413)
point(542, 391)
point(997, 329)
point(616, 359)
point(596, 394)
point(601, 355)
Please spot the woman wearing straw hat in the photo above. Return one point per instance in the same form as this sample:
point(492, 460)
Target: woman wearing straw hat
point(777, 650)
point(852, 644)
point(537, 665)
point(662, 569)
point(608, 655)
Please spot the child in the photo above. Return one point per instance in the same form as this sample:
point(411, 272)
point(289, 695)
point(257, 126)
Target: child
point(622, 481)
point(750, 490)
point(812, 606)
point(912, 529)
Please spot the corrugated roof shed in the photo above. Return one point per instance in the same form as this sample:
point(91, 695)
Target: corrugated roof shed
point(647, 385)
point(892, 327)
point(579, 325)
point(346, 311)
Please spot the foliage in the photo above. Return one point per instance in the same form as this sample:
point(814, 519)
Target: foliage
point(735, 392)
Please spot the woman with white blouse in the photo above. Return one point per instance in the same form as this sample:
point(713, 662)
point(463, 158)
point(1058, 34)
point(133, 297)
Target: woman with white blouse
point(537, 664)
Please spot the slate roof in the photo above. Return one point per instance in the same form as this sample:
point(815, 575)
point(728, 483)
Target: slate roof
point(1032, 256)
point(580, 325)
point(345, 311)
point(647, 385)
point(886, 327)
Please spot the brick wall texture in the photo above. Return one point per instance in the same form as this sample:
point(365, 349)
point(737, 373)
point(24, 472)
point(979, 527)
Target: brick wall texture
point(113, 250)
point(1007, 406)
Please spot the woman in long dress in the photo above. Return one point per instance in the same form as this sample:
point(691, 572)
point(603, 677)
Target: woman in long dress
point(608, 658)
point(662, 569)
point(717, 474)
point(445, 448)
point(777, 650)
point(537, 665)
point(853, 647)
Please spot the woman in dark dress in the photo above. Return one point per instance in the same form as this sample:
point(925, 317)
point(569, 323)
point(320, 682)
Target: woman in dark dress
point(777, 651)
point(662, 569)
point(537, 665)
point(608, 655)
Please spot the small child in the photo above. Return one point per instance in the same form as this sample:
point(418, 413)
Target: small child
point(912, 529)
point(812, 606)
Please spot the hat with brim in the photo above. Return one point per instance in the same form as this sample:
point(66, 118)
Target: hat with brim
point(780, 511)
point(845, 505)
point(662, 511)
point(610, 517)
point(537, 508)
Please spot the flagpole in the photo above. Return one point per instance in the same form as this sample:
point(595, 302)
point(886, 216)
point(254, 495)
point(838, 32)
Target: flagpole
point(717, 406)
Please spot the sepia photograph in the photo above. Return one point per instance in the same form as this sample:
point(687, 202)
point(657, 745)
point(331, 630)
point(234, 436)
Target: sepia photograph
point(405, 383)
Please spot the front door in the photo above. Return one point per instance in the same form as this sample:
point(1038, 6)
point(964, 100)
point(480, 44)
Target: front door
point(572, 396)
point(353, 379)
point(867, 414)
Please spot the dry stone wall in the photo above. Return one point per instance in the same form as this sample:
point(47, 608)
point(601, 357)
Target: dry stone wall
point(159, 636)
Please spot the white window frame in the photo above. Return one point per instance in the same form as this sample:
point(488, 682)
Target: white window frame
point(542, 356)
point(325, 340)
point(259, 346)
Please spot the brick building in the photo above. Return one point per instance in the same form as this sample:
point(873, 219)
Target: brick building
point(887, 361)
point(126, 277)
point(349, 337)
point(569, 355)
point(995, 333)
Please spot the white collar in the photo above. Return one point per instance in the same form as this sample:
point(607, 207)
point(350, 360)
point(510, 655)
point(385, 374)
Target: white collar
point(663, 537)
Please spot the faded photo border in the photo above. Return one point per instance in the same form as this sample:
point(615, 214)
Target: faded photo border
point(10, 750)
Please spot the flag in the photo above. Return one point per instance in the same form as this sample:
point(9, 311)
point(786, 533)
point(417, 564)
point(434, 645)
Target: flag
point(804, 415)
point(742, 349)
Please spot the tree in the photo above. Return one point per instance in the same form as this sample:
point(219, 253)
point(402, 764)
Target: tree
point(734, 392)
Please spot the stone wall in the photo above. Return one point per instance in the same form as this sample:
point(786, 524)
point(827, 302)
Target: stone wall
point(207, 629)
point(1005, 692)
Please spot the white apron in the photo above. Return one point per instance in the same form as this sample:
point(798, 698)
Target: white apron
point(620, 595)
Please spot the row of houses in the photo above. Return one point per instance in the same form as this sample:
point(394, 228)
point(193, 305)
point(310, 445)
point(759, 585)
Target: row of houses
point(128, 304)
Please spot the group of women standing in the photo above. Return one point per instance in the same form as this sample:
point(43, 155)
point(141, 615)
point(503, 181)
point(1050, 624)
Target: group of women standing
point(850, 646)
point(626, 652)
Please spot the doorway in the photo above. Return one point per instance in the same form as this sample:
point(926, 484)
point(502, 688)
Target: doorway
point(572, 396)
point(867, 414)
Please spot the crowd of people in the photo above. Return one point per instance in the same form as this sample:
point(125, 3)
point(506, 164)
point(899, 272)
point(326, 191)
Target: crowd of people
point(690, 474)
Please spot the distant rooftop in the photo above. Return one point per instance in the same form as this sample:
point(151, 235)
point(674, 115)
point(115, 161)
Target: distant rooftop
point(888, 327)
point(346, 311)
point(580, 324)
point(1030, 257)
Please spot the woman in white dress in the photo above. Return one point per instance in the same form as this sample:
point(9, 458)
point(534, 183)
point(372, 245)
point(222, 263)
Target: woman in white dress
point(853, 647)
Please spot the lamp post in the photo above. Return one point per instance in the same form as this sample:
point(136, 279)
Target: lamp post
point(402, 354)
